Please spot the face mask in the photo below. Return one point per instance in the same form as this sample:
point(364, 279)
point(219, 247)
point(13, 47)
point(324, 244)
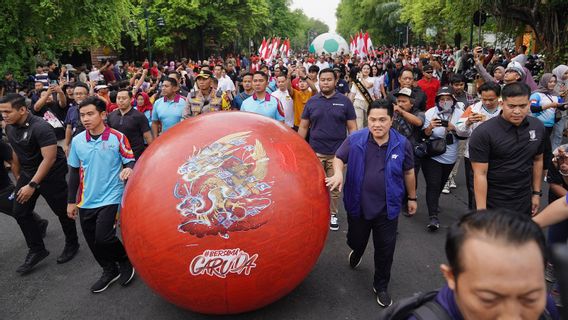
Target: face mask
point(446, 105)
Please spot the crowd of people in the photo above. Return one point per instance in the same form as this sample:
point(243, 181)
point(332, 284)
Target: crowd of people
point(384, 118)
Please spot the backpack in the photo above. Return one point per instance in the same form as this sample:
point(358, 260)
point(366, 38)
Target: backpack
point(422, 306)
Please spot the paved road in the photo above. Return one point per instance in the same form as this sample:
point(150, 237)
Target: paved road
point(331, 291)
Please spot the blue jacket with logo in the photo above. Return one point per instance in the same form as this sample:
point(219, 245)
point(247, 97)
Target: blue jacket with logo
point(394, 173)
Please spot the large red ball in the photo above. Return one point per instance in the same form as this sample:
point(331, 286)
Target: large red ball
point(225, 213)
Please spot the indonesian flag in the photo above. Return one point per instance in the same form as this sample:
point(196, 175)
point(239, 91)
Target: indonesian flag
point(360, 44)
point(366, 43)
point(262, 48)
point(351, 46)
point(285, 48)
point(275, 48)
point(371, 48)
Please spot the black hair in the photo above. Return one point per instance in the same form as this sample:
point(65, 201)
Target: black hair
point(407, 70)
point(172, 81)
point(498, 224)
point(457, 78)
point(82, 85)
point(14, 99)
point(112, 96)
point(247, 74)
point(99, 103)
point(313, 68)
point(381, 104)
point(178, 76)
point(515, 89)
point(125, 90)
point(490, 86)
point(329, 70)
point(264, 75)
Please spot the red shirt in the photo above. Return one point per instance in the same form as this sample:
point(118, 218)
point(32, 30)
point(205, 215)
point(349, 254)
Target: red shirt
point(430, 88)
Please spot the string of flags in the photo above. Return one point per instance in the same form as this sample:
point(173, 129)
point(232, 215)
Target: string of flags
point(273, 47)
point(362, 45)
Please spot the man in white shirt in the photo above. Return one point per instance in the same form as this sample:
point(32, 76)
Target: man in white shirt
point(321, 63)
point(225, 83)
point(283, 95)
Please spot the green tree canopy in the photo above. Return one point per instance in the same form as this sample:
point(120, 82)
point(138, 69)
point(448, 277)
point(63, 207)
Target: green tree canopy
point(33, 29)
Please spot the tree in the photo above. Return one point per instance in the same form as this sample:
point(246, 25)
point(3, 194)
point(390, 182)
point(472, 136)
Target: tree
point(33, 30)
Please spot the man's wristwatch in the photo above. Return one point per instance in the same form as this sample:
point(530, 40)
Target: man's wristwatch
point(537, 193)
point(411, 199)
point(33, 184)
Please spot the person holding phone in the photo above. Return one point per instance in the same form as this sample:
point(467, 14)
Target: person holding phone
point(440, 123)
point(544, 104)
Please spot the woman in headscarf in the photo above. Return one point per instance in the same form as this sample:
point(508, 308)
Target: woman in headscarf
point(544, 103)
point(440, 123)
point(561, 90)
point(143, 104)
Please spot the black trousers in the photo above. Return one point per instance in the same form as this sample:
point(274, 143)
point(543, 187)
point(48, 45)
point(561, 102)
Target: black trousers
point(54, 190)
point(384, 241)
point(7, 204)
point(469, 183)
point(99, 229)
point(436, 174)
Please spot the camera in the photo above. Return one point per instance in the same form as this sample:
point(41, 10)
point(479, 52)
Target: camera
point(444, 123)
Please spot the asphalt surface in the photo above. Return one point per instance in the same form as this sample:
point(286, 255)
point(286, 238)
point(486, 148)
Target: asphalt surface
point(331, 291)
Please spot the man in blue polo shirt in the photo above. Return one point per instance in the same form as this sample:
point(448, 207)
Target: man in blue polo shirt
point(262, 102)
point(328, 115)
point(168, 110)
point(100, 160)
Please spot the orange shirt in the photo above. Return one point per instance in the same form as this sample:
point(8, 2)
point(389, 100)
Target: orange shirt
point(300, 99)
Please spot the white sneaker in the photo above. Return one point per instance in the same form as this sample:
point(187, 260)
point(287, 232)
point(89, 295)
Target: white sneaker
point(452, 183)
point(334, 222)
point(446, 189)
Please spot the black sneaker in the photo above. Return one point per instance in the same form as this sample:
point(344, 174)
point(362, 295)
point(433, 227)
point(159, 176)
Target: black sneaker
point(68, 253)
point(127, 273)
point(354, 259)
point(32, 259)
point(383, 299)
point(108, 277)
point(43, 227)
point(333, 222)
point(434, 224)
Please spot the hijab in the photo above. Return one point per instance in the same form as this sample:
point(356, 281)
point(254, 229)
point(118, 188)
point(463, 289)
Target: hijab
point(543, 83)
point(147, 104)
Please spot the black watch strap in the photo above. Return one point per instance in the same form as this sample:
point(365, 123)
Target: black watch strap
point(412, 199)
point(33, 184)
point(537, 193)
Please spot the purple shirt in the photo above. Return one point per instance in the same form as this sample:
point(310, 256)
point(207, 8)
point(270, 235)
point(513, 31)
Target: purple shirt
point(373, 193)
point(328, 121)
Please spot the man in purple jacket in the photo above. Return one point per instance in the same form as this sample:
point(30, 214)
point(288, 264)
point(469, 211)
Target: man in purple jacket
point(495, 270)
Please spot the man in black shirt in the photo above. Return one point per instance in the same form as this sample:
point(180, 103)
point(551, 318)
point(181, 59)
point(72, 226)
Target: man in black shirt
point(7, 187)
point(131, 122)
point(42, 172)
point(52, 110)
point(506, 154)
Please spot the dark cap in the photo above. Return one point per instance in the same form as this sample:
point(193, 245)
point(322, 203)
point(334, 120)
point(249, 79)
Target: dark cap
point(427, 68)
point(205, 74)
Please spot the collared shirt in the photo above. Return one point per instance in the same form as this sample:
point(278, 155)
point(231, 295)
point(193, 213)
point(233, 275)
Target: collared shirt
point(100, 160)
point(133, 124)
point(168, 112)
point(373, 191)
point(239, 98)
point(269, 106)
point(197, 103)
point(509, 151)
point(27, 141)
point(288, 105)
point(328, 121)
